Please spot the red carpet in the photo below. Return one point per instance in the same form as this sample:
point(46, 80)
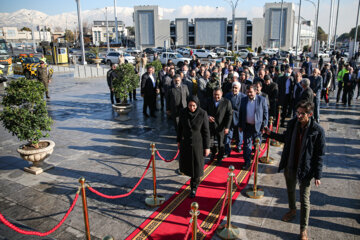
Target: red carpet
point(171, 220)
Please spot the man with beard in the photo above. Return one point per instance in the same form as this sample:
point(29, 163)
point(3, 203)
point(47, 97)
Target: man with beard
point(252, 120)
point(220, 113)
point(302, 159)
point(177, 97)
point(286, 86)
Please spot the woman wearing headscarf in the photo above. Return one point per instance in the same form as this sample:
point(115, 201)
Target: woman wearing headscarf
point(193, 140)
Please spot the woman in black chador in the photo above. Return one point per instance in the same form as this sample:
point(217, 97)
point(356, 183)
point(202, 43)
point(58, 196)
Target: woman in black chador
point(193, 140)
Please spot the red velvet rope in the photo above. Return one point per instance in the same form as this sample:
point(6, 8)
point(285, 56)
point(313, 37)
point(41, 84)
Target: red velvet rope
point(221, 215)
point(177, 153)
point(188, 231)
point(41, 234)
point(125, 194)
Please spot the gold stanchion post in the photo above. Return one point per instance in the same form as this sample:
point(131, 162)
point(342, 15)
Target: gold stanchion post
point(85, 209)
point(194, 213)
point(154, 200)
point(228, 231)
point(267, 159)
point(255, 192)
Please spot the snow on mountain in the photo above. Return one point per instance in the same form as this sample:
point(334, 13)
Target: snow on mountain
point(26, 17)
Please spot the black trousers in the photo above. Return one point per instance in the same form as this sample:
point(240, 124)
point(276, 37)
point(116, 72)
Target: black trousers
point(194, 182)
point(286, 107)
point(132, 95)
point(340, 87)
point(347, 95)
point(219, 136)
point(162, 99)
point(149, 102)
point(112, 96)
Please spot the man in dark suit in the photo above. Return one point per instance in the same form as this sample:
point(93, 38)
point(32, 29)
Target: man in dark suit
point(272, 90)
point(307, 95)
point(316, 84)
point(161, 76)
point(252, 120)
point(307, 65)
point(296, 92)
point(177, 97)
point(220, 115)
point(286, 87)
point(149, 89)
point(235, 98)
point(349, 86)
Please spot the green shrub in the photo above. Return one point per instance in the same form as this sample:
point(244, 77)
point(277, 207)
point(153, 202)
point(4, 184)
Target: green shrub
point(25, 114)
point(126, 81)
point(157, 66)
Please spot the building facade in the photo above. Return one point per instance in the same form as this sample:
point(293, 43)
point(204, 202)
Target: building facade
point(12, 34)
point(99, 32)
point(150, 30)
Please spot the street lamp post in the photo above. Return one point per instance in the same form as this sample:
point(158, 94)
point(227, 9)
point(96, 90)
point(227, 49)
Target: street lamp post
point(336, 22)
point(298, 31)
point(315, 48)
point(107, 31)
point(330, 23)
point(356, 28)
point(32, 32)
point(116, 23)
point(233, 5)
point(281, 20)
point(83, 61)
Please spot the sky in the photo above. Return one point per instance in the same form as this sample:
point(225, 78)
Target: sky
point(187, 8)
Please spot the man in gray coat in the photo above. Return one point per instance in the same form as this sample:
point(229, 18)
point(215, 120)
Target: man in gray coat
point(177, 97)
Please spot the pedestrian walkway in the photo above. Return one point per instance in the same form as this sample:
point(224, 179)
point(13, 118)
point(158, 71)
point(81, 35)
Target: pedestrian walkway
point(113, 155)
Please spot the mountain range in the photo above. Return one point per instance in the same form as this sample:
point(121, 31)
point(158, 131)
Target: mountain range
point(33, 18)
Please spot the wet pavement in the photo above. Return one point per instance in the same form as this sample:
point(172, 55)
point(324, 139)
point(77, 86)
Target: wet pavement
point(112, 156)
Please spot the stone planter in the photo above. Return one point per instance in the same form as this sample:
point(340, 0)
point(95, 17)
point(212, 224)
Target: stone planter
point(122, 110)
point(37, 157)
point(97, 61)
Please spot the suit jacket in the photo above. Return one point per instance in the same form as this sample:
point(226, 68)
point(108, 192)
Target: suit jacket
point(282, 88)
point(147, 86)
point(222, 115)
point(235, 103)
point(297, 92)
point(261, 113)
point(161, 78)
point(177, 100)
point(349, 82)
point(316, 84)
point(308, 67)
point(307, 95)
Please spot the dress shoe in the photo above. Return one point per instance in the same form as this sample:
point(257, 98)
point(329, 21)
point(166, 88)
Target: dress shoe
point(192, 193)
point(238, 149)
point(246, 166)
point(146, 115)
point(289, 216)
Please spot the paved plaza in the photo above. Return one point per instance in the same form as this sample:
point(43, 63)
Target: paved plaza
point(112, 156)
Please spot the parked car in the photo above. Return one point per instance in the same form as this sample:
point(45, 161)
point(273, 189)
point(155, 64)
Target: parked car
point(324, 55)
point(132, 51)
point(113, 57)
point(176, 58)
point(89, 58)
point(222, 51)
point(183, 51)
point(243, 53)
point(149, 51)
point(231, 58)
point(269, 51)
point(202, 53)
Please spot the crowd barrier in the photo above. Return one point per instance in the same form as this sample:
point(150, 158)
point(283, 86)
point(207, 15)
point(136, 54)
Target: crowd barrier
point(156, 200)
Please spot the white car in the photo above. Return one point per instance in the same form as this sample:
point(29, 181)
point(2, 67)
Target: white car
point(113, 57)
point(243, 53)
point(202, 53)
point(183, 51)
point(324, 55)
point(269, 51)
point(175, 57)
point(222, 51)
point(133, 51)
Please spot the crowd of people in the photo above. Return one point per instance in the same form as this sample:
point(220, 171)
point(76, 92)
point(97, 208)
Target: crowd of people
point(213, 105)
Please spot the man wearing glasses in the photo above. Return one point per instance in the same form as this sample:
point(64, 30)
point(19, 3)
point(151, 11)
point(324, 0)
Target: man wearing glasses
point(302, 159)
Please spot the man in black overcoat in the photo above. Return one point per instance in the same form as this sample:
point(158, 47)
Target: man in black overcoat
point(286, 86)
point(149, 90)
point(349, 86)
point(220, 115)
